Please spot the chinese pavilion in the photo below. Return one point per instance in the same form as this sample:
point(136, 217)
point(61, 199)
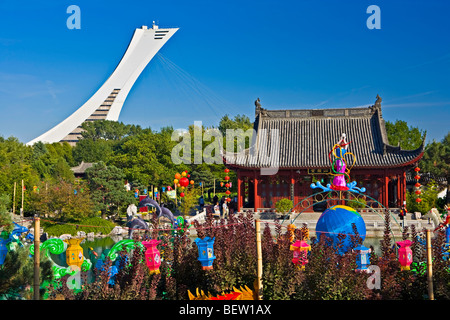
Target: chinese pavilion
point(301, 140)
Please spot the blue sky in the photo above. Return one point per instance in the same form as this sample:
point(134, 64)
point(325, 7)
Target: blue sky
point(290, 54)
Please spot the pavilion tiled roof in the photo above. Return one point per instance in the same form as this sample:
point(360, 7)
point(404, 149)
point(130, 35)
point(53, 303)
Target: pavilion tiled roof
point(305, 137)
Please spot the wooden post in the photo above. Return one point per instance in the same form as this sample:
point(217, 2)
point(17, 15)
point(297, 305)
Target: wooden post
point(21, 209)
point(14, 199)
point(214, 185)
point(259, 285)
point(429, 266)
point(37, 235)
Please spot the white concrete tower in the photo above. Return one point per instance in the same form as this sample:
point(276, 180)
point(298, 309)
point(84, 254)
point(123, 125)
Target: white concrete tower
point(108, 101)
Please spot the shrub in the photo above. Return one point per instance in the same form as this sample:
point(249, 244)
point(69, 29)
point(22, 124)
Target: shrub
point(95, 224)
point(283, 205)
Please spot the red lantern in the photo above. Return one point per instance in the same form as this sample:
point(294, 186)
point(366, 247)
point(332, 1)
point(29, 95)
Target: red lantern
point(227, 192)
point(227, 185)
point(182, 194)
point(416, 169)
point(228, 200)
point(417, 185)
point(227, 178)
point(184, 182)
point(221, 184)
point(418, 200)
point(417, 177)
point(188, 175)
point(226, 170)
point(418, 192)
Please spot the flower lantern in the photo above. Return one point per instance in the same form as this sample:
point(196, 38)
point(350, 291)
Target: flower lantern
point(74, 253)
point(206, 252)
point(362, 259)
point(300, 256)
point(152, 256)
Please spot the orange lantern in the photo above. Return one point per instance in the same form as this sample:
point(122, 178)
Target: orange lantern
point(221, 184)
point(183, 173)
point(177, 176)
point(192, 182)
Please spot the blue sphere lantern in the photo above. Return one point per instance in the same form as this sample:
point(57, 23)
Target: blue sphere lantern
point(338, 220)
point(206, 252)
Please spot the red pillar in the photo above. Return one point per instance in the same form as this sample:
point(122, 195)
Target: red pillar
point(386, 192)
point(239, 191)
point(403, 187)
point(399, 187)
point(255, 192)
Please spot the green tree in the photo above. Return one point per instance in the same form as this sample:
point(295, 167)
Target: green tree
point(190, 200)
point(63, 200)
point(436, 161)
point(408, 137)
point(107, 188)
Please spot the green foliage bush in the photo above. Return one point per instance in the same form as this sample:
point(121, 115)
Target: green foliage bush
point(283, 205)
point(95, 224)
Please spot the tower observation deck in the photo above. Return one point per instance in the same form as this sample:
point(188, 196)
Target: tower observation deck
point(108, 101)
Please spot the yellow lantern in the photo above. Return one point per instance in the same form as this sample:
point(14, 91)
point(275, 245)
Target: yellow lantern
point(74, 253)
point(183, 173)
point(175, 181)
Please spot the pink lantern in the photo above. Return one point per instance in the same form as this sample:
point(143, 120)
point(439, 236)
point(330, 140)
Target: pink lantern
point(300, 257)
point(405, 254)
point(152, 256)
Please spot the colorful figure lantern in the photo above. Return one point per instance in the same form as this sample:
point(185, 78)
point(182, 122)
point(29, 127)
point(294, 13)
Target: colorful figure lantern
point(362, 260)
point(300, 256)
point(206, 252)
point(74, 253)
point(152, 256)
point(405, 254)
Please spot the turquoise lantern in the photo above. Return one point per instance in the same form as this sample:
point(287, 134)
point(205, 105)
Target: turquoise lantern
point(206, 252)
point(363, 258)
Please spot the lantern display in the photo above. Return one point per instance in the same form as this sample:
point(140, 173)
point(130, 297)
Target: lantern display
point(206, 252)
point(74, 252)
point(362, 259)
point(152, 256)
point(300, 255)
point(177, 176)
point(405, 254)
point(417, 185)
